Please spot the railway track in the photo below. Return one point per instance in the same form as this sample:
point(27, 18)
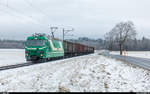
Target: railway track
point(24, 64)
point(28, 64)
point(21, 65)
point(16, 66)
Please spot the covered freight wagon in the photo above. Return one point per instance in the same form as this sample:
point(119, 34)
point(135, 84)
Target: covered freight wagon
point(74, 49)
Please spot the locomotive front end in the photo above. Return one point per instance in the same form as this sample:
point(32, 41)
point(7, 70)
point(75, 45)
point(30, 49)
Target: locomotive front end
point(35, 49)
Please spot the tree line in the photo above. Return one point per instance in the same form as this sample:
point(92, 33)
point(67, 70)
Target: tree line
point(131, 45)
point(12, 44)
point(135, 44)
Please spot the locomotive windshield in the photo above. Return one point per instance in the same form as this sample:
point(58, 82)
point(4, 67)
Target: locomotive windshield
point(35, 43)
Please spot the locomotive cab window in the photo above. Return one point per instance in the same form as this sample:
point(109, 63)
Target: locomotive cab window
point(35, 42)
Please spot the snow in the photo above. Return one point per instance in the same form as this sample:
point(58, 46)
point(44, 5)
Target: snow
point(89, 73)
point(11, 56)
point(141, 54)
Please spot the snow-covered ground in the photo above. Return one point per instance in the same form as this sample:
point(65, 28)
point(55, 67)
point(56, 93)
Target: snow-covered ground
point(85, 73)
point(141, 54)
point(11, 56)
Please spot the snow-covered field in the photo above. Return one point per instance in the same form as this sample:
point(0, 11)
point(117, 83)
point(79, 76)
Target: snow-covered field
point(141, 54)
point(85, 73)
point(11, 56)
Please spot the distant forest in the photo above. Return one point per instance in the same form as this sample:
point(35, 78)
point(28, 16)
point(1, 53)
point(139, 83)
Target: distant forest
point(130, 45)
point(11, 44)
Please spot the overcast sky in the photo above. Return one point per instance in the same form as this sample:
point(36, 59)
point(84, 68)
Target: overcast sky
point(89, 18)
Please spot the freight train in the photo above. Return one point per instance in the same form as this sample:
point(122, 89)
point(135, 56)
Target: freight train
point(40, 47)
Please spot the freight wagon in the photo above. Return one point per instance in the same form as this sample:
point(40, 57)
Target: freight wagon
point(75, 49)
point(43, 48)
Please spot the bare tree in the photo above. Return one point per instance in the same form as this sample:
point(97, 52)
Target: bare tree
point(121, 32)
point(109, 39)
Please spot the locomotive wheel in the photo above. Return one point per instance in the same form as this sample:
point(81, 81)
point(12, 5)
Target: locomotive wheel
point(43, 60)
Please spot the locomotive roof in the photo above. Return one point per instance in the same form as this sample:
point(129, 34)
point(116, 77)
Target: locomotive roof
point(42, 37)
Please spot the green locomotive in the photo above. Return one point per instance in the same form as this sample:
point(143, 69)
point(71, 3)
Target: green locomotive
point(42, 47)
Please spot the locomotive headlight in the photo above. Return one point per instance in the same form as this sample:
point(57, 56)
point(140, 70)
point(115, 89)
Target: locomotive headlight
point(41, 54)
point(27, 55)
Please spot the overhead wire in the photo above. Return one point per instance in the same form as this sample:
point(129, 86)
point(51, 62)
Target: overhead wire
point(36, 21)
point(41, 11)
point(18, 14)
point(38, 9)
point(2, 11)
point(9, 13)
point(22, 14)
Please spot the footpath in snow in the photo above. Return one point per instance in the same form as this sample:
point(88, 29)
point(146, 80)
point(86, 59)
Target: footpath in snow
point(90, 73)
point(141, 54)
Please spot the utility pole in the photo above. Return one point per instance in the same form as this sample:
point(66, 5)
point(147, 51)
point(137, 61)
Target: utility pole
point(64, 34)
point(53, 29)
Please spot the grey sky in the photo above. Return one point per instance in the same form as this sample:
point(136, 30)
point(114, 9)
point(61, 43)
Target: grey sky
point(89, 18)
